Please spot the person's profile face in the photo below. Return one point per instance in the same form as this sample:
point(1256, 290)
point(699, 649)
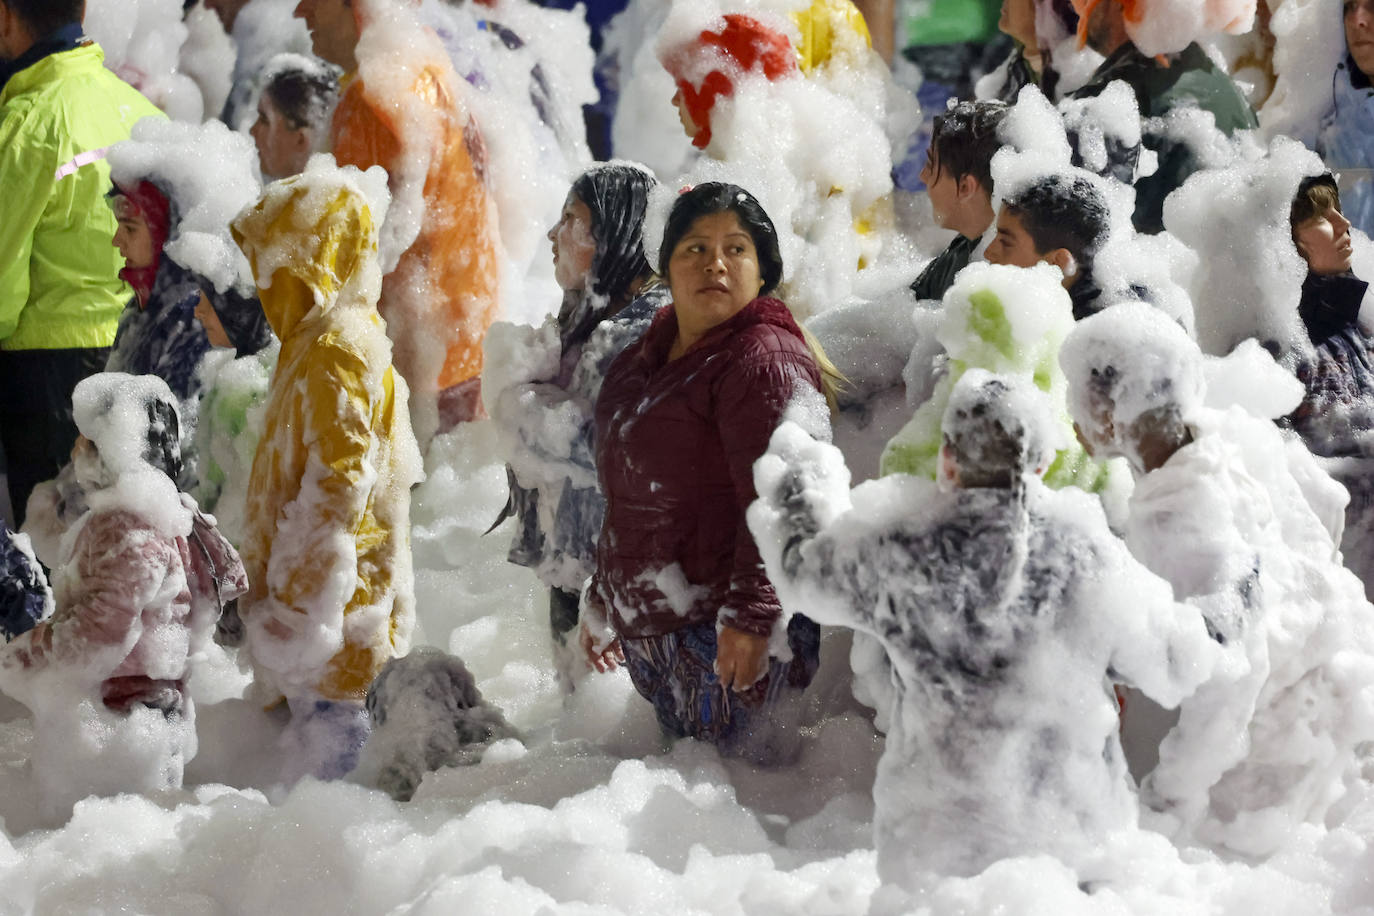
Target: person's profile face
point(1359, 33)
point(132, 236)
point(1324, 242)
point(1012, 245)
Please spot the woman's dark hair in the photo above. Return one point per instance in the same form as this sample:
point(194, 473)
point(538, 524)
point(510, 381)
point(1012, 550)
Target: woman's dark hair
point(163, 450)
point(718, 197)
point(617, 196)
point(304, 91)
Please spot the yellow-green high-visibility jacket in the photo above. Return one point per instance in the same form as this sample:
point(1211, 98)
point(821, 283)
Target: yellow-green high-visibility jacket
point(59, 283)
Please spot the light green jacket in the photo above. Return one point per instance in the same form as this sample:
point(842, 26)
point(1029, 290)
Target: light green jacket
point(990, 344)
point(59, 283)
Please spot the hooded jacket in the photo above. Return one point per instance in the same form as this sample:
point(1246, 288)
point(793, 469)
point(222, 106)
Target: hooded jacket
point(327, 539)
point(59, 284)
point(676, 445)
point(1344, 142)
point(456, 248)
point(1188, 78)
point(1337, 410)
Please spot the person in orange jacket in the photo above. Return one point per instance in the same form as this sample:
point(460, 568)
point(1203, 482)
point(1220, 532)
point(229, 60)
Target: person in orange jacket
point(400, 109)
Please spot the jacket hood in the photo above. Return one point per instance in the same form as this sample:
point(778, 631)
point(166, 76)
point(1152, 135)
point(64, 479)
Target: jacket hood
point(309, 239)
point(740, 45)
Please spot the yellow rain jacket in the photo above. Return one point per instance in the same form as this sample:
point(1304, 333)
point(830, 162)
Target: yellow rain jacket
point(454, 257)
point(828, 28)
point(327, 540)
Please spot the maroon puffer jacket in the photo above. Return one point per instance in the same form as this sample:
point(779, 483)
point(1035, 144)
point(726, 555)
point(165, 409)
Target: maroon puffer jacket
point(676, 446)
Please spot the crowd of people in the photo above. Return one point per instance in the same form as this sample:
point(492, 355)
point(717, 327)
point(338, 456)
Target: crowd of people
point(1074, 522)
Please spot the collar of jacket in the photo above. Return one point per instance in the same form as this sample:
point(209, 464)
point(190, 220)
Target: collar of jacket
point(762, 310)
point(67, 38)
point(1330, 304)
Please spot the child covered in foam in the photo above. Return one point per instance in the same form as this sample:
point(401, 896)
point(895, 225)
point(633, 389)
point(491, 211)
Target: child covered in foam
point(1004, 607)
point(1230, 512)
point(142, 579)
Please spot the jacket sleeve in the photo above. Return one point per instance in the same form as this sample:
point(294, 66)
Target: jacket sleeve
point(312, 572)
point(26, 174)
point(751, 398)
point(121, 567)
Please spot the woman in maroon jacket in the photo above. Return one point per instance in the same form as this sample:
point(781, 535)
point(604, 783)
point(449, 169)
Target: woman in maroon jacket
point(682, 416)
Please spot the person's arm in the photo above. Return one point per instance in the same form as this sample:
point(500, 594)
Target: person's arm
point(26, 175)
point(120, 567)
point(881, 18)
point(750, 402)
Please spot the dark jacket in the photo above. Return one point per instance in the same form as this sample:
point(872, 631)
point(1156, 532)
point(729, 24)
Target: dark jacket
point(676, 446)
point(164, 338)
point(1338, 408)
point(1188, 78)
point(939, 274)
point(23, 588)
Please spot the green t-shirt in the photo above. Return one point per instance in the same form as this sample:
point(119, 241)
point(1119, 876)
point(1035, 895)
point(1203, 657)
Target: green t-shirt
point(947, 22)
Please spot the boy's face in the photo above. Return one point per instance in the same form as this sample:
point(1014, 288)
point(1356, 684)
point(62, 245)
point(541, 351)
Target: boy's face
point(1324, 242)
point(132, 237)
point(1013, 244)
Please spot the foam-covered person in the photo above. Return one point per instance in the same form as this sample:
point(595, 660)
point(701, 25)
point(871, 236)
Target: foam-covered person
point(327, 540)
point(1168, 70)
point(141, 582)
point(294, 108)
point(225, 439)
point(543, 394)
point(1056, 219)
point(1223, 509)
point(442, 294)
point(1039, 28)
point(158, 333)
point(679, 593)
point(1002, 606)
point(1346, 137)
point(958, 178)
point(25, 597)
point(1336, 416)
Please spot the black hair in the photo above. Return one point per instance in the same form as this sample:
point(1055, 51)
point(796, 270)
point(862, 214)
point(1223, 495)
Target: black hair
point(1063, 211)
point(964, 139)
point(305, 97)
point(719, 197)
point(163, 449)
point(241, 316)
point(617, 197)
point(43, 17)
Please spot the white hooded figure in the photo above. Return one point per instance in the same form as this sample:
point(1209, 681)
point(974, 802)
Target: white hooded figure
point(1006, 609)
point(143, 577)
point(1223, 510)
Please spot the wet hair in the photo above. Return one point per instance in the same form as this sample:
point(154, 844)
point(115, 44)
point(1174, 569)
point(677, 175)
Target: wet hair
point(42, 17)
point(718, 197)
point(1063, 211)
point(305, 96)
point(163, 449)
point(964, 140)
point(1315, 196)
point(617, 197)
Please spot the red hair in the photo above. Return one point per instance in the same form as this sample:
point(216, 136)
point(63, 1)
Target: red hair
point(742, 41)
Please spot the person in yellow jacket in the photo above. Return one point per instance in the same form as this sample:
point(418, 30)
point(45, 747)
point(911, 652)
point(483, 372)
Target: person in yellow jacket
point(400, 110)
point(327, 539)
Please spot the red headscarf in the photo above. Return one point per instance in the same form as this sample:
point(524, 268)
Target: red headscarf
point(152, 206)
point(742, 41)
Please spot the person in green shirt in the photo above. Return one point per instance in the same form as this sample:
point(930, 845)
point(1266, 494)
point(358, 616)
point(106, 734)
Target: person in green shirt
point(60, 293)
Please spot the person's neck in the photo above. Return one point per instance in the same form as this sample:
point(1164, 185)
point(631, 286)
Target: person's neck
point(1157, 450)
